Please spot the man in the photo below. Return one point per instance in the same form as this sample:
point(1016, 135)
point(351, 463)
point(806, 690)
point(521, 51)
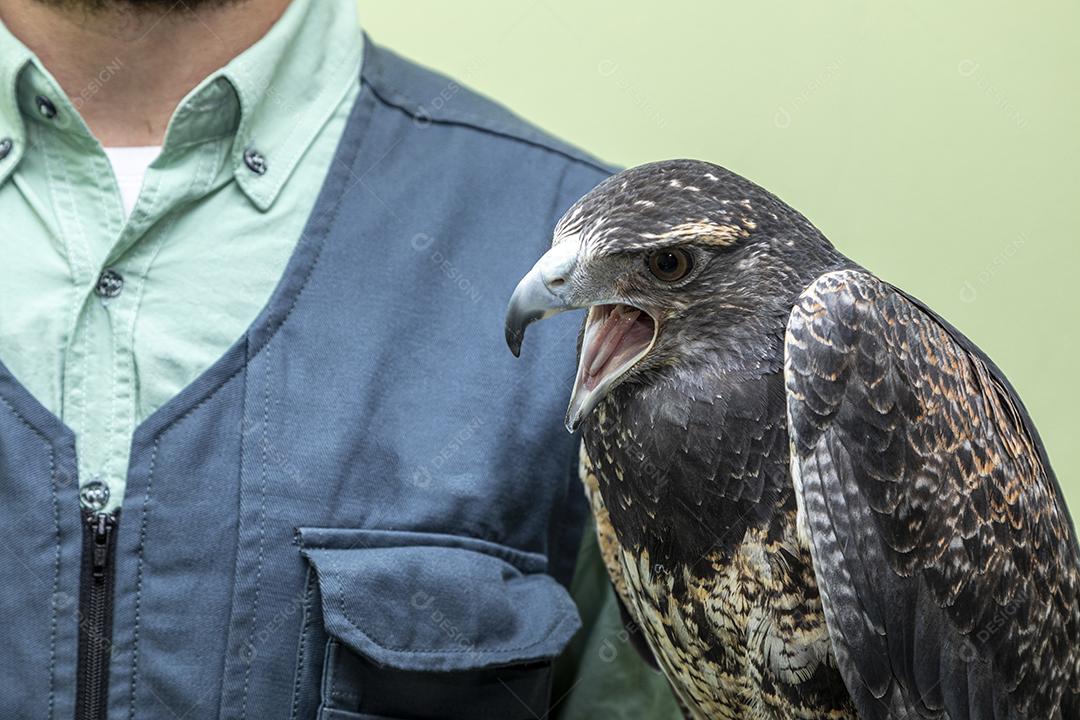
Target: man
point(251, 461)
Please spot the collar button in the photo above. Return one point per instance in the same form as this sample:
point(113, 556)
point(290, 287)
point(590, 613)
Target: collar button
point(45, 107)
point(255, 161)
point(5, 147)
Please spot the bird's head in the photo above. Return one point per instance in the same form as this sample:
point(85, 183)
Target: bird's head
point(667, 258)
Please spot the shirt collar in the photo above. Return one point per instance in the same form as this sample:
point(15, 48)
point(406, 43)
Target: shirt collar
point(14, 56)
point(274, 98)
point(289, 84)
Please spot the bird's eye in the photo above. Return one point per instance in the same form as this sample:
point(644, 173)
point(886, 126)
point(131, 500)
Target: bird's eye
point(669, 265)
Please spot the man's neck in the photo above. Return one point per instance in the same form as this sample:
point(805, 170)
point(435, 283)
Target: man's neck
point(152, 58)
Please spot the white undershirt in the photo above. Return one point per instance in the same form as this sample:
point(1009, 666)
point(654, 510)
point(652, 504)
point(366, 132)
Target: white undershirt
point(129, 165)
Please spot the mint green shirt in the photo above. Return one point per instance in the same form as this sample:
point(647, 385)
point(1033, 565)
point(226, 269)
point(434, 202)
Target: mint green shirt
point(176, 295)
point(104, 317)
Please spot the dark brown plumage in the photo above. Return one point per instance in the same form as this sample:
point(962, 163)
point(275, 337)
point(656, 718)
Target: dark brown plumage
point(817, 498)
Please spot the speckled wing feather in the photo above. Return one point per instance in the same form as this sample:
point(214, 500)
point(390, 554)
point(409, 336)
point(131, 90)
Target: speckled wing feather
point(946, 559)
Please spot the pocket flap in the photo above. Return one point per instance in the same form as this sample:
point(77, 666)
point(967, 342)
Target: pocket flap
point(426, 601)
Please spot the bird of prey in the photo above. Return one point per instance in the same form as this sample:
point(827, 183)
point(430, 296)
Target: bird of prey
point(815, 497)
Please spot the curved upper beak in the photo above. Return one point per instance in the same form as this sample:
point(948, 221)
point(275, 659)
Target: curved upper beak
point(541, 293)
point(614, 338)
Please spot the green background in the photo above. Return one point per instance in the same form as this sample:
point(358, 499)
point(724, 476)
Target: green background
point(936, 143)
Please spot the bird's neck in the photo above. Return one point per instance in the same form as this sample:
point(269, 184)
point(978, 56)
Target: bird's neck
point(746, 319)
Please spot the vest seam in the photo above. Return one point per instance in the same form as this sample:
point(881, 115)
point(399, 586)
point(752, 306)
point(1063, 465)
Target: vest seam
point(139, 581)
point(262, 530)
point(49, 445)
point(301, 649)
point(56, 581)
point(332, 667)
point(45, 439)
point(474, 124)
point(376, 70)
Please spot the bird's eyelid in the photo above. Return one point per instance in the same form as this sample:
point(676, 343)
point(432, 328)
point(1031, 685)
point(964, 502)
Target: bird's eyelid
point(647, 247)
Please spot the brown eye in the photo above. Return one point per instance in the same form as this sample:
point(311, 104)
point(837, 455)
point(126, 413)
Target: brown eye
point(669, 265)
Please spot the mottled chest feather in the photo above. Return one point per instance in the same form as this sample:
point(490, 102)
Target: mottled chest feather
point(696, 515)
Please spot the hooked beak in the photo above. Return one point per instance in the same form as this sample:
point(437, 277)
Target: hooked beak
point(616, 336)
point(540, 294)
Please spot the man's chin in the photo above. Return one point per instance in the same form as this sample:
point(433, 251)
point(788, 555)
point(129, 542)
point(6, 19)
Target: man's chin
point(149, 6)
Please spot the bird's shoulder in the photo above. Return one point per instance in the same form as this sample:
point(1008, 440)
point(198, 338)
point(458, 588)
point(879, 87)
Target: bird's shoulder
point(939, 529)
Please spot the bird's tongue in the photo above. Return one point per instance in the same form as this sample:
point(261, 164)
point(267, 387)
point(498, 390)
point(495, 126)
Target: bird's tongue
point(614, 336)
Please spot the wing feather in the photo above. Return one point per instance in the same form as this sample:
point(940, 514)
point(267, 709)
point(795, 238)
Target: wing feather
point(947, 561)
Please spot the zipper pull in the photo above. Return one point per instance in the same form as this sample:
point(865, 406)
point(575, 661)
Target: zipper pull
point(103, 525)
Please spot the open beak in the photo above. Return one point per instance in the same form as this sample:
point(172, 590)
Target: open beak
point(615, 338)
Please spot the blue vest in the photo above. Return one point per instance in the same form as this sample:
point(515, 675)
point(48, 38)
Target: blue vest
point(367, 508)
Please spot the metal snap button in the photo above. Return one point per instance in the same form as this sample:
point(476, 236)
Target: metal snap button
point(109, 284)
point(255, 161)
point(94, 495)
point(45, 107)
point(5, 147)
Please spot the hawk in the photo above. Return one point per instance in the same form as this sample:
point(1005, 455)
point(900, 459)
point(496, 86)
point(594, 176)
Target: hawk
point(814, 496)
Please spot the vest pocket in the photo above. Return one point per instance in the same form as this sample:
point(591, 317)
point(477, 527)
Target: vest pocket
point(424, 625)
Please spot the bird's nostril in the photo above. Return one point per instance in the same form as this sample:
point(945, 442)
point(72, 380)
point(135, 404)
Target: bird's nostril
point(556, 282)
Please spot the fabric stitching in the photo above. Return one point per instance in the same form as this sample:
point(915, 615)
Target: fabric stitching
point(112, 427)
point(512, 556)
point(139, 582)
point(262, 526)
point(464, 122)
point(56, 581)
point(87, 268)
point(302, 148)
point(138, 292)
point(47, 442)
point(301, 665)
point(336, 692)
point(391, 95)
point(431, 651)
point(340, 592)
point(45, 439)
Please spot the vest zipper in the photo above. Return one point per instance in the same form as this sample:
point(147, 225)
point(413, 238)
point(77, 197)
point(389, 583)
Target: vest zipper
point(95, 614)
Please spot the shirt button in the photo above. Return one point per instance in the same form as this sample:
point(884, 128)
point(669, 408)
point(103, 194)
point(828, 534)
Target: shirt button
point(45, 107)
point(109, 284)
point(5, 147)
point(255, 161)
point(94, 495)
